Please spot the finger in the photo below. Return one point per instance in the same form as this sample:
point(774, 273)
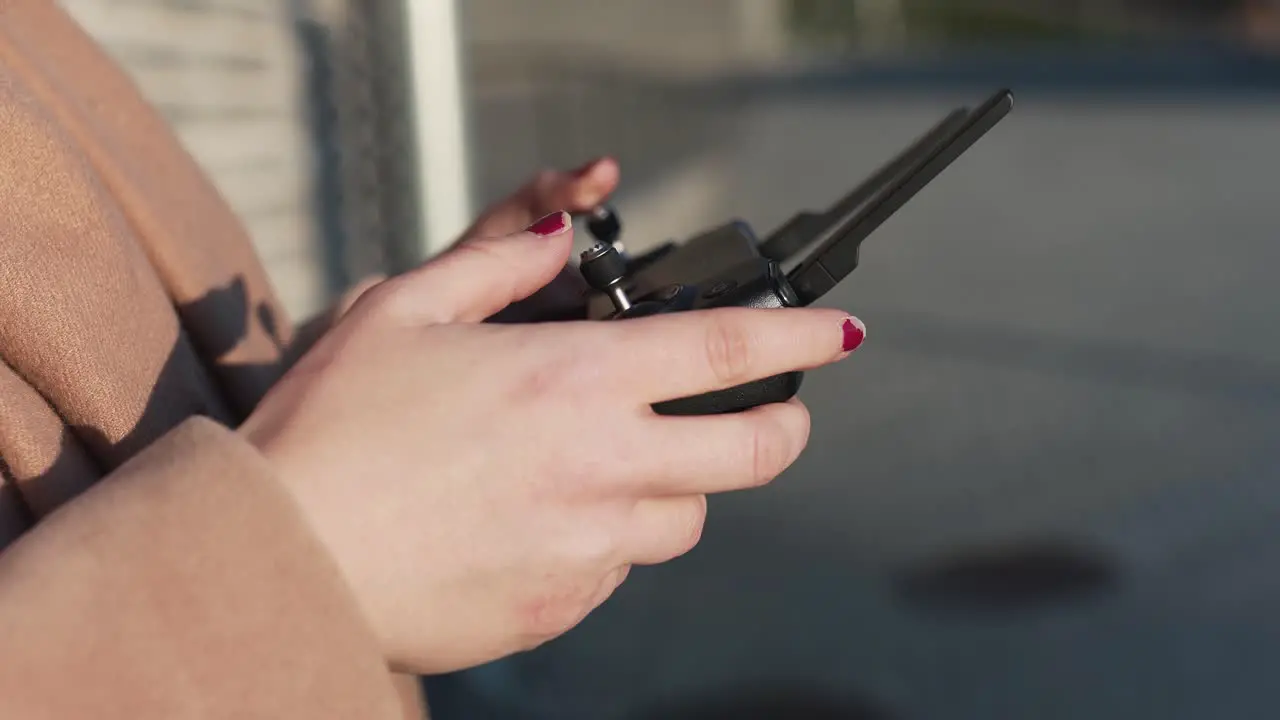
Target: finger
point(576, 191)
point(662, 529)
point(354, 293)
point(608, 585)
point(722, 453)
point(479, 278)
point(667, 357)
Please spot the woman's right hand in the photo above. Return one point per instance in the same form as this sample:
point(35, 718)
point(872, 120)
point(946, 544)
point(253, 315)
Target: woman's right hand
point(483, 487)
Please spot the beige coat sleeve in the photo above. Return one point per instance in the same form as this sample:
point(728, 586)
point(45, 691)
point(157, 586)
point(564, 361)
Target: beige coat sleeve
point(184, 585)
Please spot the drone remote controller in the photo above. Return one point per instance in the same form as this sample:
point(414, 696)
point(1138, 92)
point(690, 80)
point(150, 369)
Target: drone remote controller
point(748, 273)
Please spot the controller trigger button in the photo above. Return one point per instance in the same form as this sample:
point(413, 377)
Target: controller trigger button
point(719, 289)
point(664, 294)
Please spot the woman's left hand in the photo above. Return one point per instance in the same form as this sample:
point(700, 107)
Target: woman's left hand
point(573, 191)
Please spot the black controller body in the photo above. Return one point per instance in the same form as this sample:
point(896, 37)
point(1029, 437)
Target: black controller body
point(671, 283)
point(728, 266)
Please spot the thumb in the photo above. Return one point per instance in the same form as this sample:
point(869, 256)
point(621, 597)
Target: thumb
point(482, 276)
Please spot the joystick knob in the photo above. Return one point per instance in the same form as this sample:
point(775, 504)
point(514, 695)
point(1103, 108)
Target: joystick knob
point(604, 225)
point(604, 269)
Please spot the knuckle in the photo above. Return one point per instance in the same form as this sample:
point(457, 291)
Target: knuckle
point(595, 549)
point(553, 612)
point(391, 299)
point(771, 451)
point(578, 360)
point(537, 383)
point(692, 524)
point(804, 425)
point(564, 596)
point(542, 180)
point(559, 372)
point(481, 249)
point(729, 352)
point(620, 576)
point(353, 297)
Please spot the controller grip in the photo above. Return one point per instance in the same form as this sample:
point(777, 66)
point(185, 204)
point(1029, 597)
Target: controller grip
point(776, 389)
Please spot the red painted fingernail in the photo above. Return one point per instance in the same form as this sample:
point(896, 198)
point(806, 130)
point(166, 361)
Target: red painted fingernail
point(854, 333)
point(549, 225)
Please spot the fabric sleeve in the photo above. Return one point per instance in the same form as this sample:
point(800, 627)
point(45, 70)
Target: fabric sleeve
point(184, 585)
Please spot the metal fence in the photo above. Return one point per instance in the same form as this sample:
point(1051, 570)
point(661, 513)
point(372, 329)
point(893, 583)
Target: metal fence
point(360, 103)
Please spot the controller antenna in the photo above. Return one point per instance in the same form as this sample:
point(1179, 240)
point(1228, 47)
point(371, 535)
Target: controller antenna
point(604, 269)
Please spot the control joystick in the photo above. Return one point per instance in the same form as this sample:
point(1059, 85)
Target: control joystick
point(604, 225)
point(605, 270)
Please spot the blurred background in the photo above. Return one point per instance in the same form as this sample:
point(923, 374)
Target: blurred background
point(1049, 484)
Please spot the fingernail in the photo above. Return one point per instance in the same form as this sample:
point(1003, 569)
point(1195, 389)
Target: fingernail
point(549, 225)
point(854, 333)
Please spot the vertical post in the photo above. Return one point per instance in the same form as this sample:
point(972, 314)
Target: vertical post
point(433, 35)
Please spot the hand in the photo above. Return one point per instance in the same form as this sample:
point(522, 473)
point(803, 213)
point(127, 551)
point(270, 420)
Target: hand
point(483, 487)
point(574, 191)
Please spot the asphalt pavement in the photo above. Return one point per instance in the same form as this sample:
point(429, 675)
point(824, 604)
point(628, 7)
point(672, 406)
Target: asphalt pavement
point(1048, 486)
